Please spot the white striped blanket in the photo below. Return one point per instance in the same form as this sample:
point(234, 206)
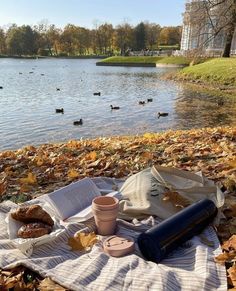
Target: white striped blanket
point(190, 267)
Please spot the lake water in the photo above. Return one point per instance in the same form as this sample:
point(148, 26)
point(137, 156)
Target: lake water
point(29, 98)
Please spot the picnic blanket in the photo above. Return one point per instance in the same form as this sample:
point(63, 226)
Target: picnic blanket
point(190, 267)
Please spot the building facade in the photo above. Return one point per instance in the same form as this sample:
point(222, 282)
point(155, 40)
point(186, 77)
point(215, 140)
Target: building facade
point(199, 26)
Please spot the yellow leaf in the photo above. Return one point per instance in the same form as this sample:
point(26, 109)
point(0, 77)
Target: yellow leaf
point(48, 285)
point(73, 173)
point(91, 156)
point(232, 163)
point(30, 179)
point(82, 241)
point(39, 161)
point(149, 135)
point(176, 199)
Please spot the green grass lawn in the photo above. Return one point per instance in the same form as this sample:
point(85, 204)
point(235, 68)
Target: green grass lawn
point(149, 59)
point(174, 60)
point(220, 71)
point(135, 59)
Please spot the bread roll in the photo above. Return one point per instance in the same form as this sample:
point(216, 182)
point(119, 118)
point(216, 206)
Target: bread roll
point(32, 213)
point(33, 230)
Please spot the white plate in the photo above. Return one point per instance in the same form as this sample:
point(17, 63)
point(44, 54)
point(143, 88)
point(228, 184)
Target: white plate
point(27, 245)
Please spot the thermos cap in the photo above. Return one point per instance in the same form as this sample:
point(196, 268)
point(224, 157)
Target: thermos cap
point(118, 246)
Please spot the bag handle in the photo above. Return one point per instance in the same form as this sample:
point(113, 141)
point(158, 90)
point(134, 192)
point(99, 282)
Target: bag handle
point(180, 173)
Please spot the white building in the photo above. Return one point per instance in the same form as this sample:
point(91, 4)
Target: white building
point(197, 30)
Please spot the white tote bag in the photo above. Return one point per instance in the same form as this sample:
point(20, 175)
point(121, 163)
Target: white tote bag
point(143, 192)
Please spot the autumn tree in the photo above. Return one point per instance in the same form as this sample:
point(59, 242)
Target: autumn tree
point(140, 36)
point(21, 40)
point(84, 40)
point(213, 22)
point(152, 34)
point(52, 36)
point(2, 41)
point(106, 33)
point(69, 39)
point(49, 38)
point(124, 37)
point(170, 35)
point(226, 13)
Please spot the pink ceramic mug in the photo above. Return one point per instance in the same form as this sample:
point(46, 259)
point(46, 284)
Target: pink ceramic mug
point(105, 210)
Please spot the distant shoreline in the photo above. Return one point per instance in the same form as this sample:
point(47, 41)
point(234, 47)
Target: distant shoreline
point(52, 57)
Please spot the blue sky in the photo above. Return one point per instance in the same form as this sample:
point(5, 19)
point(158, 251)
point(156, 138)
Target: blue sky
point(87, 13)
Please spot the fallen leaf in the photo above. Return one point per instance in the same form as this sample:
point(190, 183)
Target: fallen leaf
point(232, 163)
point(91, 156)
point(232, 274)
point(230, 244)
point(225, 257)
point(147, 156)
point(82, 241)
point(73, 173)
point(176, 199)
point(3, 187)
point(30, 179)
point(48, 285)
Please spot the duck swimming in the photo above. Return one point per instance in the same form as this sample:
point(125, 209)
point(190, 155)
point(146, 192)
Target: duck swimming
point(141, 102)
point(149, 100)
point(97, 93)
point(60, 110)
point(162, 114)
point(114, 107)
point(78, 122)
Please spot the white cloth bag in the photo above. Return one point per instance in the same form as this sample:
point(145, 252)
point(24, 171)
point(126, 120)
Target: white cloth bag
point(143, 192)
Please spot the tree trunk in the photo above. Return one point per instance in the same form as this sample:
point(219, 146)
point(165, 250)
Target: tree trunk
point(228, 42)
point(230, 32)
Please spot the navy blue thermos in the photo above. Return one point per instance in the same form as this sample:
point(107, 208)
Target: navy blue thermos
point(163, 238)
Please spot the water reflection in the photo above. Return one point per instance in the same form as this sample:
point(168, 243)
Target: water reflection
point(28, 102)
point(195, 109)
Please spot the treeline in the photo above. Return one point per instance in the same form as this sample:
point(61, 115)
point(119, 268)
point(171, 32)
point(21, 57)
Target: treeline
point(72, 40)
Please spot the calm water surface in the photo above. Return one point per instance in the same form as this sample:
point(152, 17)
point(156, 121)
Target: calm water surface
point(28, 102)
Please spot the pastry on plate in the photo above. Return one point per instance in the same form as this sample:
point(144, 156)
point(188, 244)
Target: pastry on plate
point(32, 213)
point(33, 230)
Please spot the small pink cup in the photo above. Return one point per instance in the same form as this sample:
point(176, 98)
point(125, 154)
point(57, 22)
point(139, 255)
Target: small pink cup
point(105, 210)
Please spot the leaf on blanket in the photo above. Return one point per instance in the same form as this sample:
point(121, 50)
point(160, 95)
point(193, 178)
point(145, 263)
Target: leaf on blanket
point(30, 179)
point(82, 241)
point(48, 285)
point(176, 199)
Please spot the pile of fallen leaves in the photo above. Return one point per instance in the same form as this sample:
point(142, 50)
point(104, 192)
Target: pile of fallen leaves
point(32, 171)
